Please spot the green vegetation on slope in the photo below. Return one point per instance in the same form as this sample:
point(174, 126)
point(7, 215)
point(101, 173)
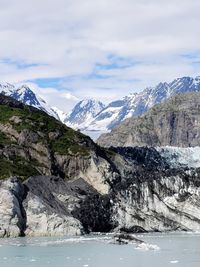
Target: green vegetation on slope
point(17, 167)
point(56, 137)
point(67, 141)
point(4, 140)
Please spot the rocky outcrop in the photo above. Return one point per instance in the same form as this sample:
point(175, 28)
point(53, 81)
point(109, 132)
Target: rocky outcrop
point(155, 196)
point(174, 123)
point(33, 143)
point(149, 194)
point(12, 214)
point(49, 206)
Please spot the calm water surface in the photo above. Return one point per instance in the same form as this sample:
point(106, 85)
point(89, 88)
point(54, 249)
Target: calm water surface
point(97, 251)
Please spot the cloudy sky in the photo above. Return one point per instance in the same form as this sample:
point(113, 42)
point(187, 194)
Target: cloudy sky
point(73, 49)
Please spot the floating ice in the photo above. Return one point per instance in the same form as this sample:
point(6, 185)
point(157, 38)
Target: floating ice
point(32, 260)
point(146, 246)
point(80, 239)
point(173, 262)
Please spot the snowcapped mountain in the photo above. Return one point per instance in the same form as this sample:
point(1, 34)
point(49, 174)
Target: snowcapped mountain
point(138, 103)
point(84, 113)
point(93, 117)
point(25, 95)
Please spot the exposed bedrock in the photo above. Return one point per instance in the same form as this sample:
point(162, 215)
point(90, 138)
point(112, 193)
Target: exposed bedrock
point(147, 193)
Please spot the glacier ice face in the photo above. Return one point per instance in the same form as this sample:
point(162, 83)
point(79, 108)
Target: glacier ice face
point(176, 156)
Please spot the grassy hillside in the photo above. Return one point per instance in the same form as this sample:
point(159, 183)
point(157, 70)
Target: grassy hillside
point(23, 129)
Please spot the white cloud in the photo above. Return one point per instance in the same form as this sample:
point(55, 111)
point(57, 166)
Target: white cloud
point(67, 38)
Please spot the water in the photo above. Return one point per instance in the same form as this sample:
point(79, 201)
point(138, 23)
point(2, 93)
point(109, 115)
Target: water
point(97, 251)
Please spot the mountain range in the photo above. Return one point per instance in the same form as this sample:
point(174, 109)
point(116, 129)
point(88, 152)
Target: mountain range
point(175, 122)
point(93, 117)
point(135, 104)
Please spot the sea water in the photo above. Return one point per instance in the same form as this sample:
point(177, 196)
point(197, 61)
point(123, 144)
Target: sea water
point(159, 250)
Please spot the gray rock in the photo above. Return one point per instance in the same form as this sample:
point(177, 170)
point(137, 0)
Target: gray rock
point(147, 194)
point(12, 215)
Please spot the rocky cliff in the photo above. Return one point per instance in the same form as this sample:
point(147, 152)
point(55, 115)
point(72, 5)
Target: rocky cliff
point(176, 122)
point(33, 143)
point(63, 183)
point(150, 194)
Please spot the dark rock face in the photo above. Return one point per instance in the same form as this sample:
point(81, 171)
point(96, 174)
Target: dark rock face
point(69, 206)
point(95, 213)
point(51, 206)
point(145, 197)
point(173, 123)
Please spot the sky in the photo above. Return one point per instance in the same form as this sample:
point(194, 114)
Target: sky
point(68, 50)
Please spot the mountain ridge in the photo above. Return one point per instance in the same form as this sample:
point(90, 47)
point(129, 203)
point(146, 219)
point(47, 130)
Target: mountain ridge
point(93, 117)
point(25, 95)
point(138, 103)
point(175, 122)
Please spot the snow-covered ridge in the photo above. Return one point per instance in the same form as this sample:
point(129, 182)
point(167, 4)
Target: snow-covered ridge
point(92, 116)
point(175, 156)
point(132, 105)
point(25, 95)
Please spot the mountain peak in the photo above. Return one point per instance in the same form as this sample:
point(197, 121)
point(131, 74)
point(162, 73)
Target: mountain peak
point(91, 103)
point(25, 95)
point(84, 112)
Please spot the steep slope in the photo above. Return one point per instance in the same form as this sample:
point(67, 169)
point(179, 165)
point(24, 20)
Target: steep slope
point(25, 95)
point(176, 122)
point(32, 143)
point(83, 113)
point(154, 194)
point(139, 103)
